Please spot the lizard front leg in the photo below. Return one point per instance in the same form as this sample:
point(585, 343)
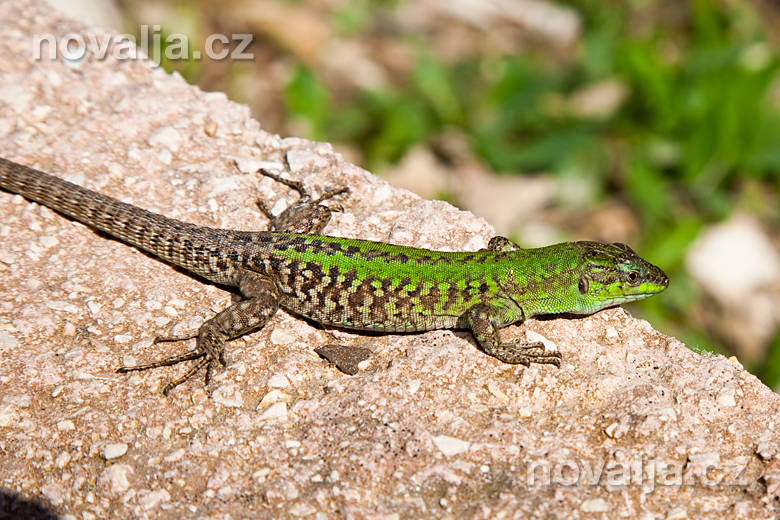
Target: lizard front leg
point(260, 303)
point(479, 319)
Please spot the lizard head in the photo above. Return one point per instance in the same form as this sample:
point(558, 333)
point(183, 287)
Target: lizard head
point(612, 274)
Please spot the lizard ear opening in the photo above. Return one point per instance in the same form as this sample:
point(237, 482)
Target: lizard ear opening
point(583, 285)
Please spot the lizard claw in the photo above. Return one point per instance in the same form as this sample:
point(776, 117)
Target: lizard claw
point(206, 355)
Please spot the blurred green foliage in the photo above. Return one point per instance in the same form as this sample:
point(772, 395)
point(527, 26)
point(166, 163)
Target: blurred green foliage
point(770, 371)
point(697, 117)
point(697, 122)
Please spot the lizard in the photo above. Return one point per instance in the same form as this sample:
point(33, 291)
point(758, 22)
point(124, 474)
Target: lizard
point(355, 284)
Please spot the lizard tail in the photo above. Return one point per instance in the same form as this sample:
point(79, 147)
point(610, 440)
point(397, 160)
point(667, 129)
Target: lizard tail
point(189, 246)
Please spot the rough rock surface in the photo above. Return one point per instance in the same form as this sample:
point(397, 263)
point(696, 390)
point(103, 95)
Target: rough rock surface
point(633, 425)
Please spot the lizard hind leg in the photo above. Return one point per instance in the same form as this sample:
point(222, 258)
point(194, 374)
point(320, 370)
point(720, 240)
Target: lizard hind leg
point(308, 215)
point(250, 314)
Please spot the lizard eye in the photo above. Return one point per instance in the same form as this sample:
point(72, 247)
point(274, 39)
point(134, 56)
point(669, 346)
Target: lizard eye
point(583, 285)
point(633, 277)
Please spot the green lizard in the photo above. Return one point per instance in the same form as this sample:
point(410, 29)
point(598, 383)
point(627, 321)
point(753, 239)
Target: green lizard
point(356, 284)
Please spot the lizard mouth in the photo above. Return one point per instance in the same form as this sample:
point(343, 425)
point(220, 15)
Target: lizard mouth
point(643, 290)
point(656, 282)
point(622, 292)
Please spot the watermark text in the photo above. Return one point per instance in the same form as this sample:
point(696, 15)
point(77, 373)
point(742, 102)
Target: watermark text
point(647, 473)
point(76, 47)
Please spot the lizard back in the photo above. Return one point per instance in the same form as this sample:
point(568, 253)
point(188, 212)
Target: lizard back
point(367, 285)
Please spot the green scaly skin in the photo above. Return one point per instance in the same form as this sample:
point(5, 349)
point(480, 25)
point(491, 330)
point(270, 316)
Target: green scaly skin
point(357, 284)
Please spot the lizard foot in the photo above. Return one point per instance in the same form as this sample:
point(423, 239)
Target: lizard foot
point(307, 215)
point(519, 353)
point(209, 352)
point(244, 316)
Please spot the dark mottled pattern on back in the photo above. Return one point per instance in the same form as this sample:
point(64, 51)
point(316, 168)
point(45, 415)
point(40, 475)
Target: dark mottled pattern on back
point(363, 284)
point(346, 282)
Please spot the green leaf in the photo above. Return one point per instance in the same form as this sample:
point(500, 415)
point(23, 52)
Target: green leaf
point(647, 189)
point(432, 79)
point(306, 97)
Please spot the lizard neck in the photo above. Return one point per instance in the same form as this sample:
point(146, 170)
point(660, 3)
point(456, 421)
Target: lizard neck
point(542, 280)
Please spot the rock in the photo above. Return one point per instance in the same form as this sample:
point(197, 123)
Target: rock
point(733, 260)
point(420, 172)
point(450, 446)
point(114, 450)
point(115, 479)
point(431, 427)
point(736, 263)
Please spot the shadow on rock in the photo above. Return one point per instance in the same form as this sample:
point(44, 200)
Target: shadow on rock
point(14, 507)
